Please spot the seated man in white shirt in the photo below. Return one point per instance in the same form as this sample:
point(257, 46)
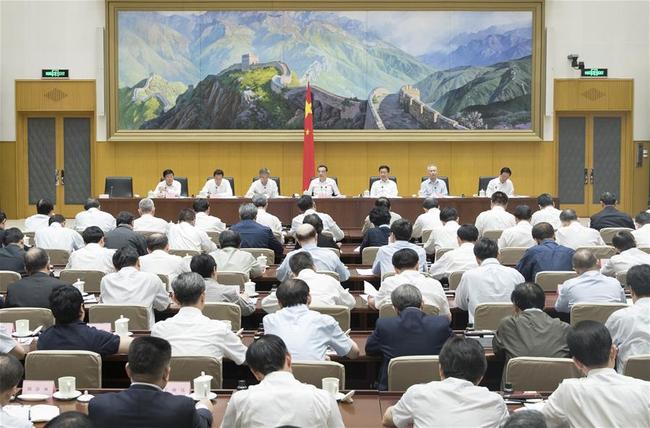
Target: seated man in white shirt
point(230, 258)
point(521, 234)
point(628, 255)
point(384, 186)
point(307, 333)
point(186, 236)
point(264, 217)
point(400, 233)
point(279, 399)
point(204, 265)
point(406, 263)
point(456, 400)
point(323, 289)
point(159, 261)
point(380, 202)
point(263, 185)
point(323, 186)
point(44, 210)
point(147, 222)
point(11, 373)
point(218, 187)
point(429, 220)
point(574, 235)
point(93, 216)
point(489, 282)
point(307, 206)
point(190, 332)
point(93, 256)
point(444, 236)
point(496, 218)
point(630, 327)
point(590, 286)
point(603, 398)
point(129, 286)
point(547, 212)
point(433, 186)
point(9, 345)
point(204, 221)
point(58, 237)
point(168, 187)
point(458, 259)
point(501, 183)
point(642, 232)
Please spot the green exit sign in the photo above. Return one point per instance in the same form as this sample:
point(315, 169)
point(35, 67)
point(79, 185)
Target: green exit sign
point(594, 72)
point(54, 73)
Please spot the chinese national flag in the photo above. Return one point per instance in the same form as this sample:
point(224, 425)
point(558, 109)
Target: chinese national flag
point(308, 146)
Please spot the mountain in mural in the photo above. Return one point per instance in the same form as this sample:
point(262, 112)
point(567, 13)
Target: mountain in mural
point(146, 100)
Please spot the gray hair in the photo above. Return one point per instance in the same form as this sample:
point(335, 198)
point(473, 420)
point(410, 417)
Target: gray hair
point(188, 288)
point(146, 205)
point(406, 296)
point(526, 419)
point(259, 200)
point(265, 171)
point(247, 212)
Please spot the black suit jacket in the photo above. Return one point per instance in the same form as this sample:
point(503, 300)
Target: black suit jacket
point(12, 257)
point(611, 217)
point(375, 237)
point(255, 235)
point(411, 333)
point(124, 236)
point(32, 291)
point(143, 406)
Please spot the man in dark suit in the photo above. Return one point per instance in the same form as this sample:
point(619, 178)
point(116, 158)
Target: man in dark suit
point(124, 236)
point(609, 216)
point(411, 332)
point(144, 403)
point(378, 235)
point(12, 255)
point(255, 235)
point(546, 255)
point(34, 290)
point(323, 240)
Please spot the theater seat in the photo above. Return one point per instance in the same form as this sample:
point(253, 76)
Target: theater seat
point(390, 311)
point(7, 277)
point(368, 255)
point(313, 372)
point(91, 278)
point(85, 366)
point(138, 315)
point(232, 278)
point(483, 182)
point(119, 187)
point(638, 366)
point(539, 374)
point(224, 311)
point(340, 313)
point(404, 372)
point(214, 237)
point(454, 279)
point(185, 369)
point(487, 316)
point(330, 273)
point(510, 256)
point(549, 280)
point(600, 251)
point(36, 316)
point(607, 233)
point(183, 253)
point(166, 282)
point(492, 234)
point(58, 257)
point(594, 311)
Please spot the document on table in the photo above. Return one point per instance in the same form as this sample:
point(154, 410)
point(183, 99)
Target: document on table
point(365, 272)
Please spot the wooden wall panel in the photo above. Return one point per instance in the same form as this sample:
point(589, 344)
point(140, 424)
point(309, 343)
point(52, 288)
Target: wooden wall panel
point(55, 95)
point(8, 201)
point(593, 94)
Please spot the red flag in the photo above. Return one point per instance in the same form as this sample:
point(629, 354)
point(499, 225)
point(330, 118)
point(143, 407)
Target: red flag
point(308, 146)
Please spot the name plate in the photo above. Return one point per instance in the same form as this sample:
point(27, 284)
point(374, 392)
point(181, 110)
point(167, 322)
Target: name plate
point(38, 387)
point(178, 388)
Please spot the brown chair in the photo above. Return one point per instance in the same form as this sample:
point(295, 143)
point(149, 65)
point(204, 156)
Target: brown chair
point(368, 255)
point(487, 316)
point(7, 277)
point(387, 275)
point(330, 273)
point(549, 280)
point(539, 374)
point(390, 311)
point(85, 366)
point(492, 234)
point(36, 316)
point(340, 313)
point(266, 252)
point(214, 237)
point(510, 256)
point(185, 369)
point(600, 251)
point(29, 237)
point(607, 233)
point(232, 278)
point(91, 278)
point(404, 372)
point(58, 257)
point(166, 282)
point(441, 252)
point(638, 366)
point(454, 279)
point(184, 253)
point(224, 311)
point(146, 233)
point(426, 234)
point(313, 372)
point(622, 278)
point(138, 315)
point(279, 236)
point(644, 249)
point(594, 311)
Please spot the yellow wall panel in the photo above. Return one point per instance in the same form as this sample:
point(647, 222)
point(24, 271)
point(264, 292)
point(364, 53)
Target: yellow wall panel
point(8, 202)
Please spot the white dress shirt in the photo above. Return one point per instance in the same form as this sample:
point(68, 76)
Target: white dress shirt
point(10, 421)
point(270, 189)
point(426, 221)
point(185, 236)
point(7, 343)
point(630, 330)
point(451, 402)
point(324, 259)
point(215, 293)
point(213, 190)
point(548, 214)
point(433, 188)
point(149, 223)
point(191, 333)
point(94, 217)
point(307, 333)
point(384, 259)
point(488, 283)
point(495, 185)
point(602, 399)
point(461, 258)
point(590, 287)
point(445, 236)
point(519, 235)
point(431, 289)
point(329, 225)
point(160, 261)
point(386, 188)
point(129, 286)
point(323, 189)
point(55, 236)
point(165, 191)
point(37, 221)
point(623, 261)
point(576, 235)
point(209, 223)
point(269, 220)
point(232, 259)
point(642, 236)
point(281, 400)
point(496, 218)
point(92, 257)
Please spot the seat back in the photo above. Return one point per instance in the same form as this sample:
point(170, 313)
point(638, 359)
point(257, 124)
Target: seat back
point(374, 178)
point(622, 278)
point(230, 179)
point(404, 372)
point(330, 273)
point(638, 366)
point(118, 187)
point(36, 316)
point(600, 251)
point(440, 177)
point(146, 233)
point(313, 372)
point(483, 182)
point(276, 179)
point(368, 255)
point(454, 279)
point(184, 185)
point(487, 316)
point(166, 281)
point(266, 252)
point(138, 315)
point(390, 311)
point(85, 366)
point(644, 249)
point(539, 374)
point(387, 275)
point(214, 237)
point(426, 234)
point(340, 313)
point(29, 237)
point(594, 311)
point(224, 311)
point(185, 369)
point(335, 251)
point(549, 280)
point(232, 278)
point(492, 234)
point(7, 277)
point(510, 256)
point(91, 278)
point(58, 257)
point(607, 233)
point(441, 251)
point(183, 253)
